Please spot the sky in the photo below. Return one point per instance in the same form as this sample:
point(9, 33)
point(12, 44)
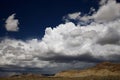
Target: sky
point(48, 36)
point(35, 16)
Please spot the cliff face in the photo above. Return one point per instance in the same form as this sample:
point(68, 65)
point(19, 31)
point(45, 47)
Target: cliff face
point(102, 69)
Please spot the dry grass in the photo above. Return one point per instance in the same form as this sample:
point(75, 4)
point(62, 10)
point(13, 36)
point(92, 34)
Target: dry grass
point(65, 78)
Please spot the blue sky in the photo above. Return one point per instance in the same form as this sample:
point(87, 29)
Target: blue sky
point(35, 15)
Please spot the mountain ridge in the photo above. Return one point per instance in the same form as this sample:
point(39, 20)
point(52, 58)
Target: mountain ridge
point(101, 69)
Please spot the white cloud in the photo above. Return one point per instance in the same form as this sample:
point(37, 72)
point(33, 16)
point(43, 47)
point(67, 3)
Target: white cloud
point(108, 11)
point(16, 52)
point(11, 23)
point(74, 15)
point(68, 39)
point(67, 42)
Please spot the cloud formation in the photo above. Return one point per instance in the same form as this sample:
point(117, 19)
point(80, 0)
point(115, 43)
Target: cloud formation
point(103, 2)
point(108, 11)
point(68, 44)
point(72, 16)
point(11, 23)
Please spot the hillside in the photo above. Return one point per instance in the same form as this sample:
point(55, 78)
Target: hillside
point(101, 69)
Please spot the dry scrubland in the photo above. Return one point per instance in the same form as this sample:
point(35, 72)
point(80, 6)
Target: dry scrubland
point(66, 78)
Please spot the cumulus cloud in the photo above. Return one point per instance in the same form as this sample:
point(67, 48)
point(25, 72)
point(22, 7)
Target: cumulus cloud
point(73, 42)
point(108, 11)
point(67, 43)
point(111, 36)
point(11, 23)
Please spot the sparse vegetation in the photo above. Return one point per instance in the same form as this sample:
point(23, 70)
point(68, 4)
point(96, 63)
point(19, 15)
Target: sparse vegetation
point(65, 78)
